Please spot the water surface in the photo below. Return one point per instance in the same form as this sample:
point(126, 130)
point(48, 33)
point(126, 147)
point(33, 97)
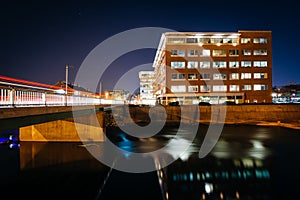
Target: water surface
point(248, 162)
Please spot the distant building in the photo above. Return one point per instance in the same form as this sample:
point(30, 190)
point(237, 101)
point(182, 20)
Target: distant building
point(286, 94)
point(73, 89)
point(116, 96)
point(120, 95)
point(215, 67)
point(146, 87)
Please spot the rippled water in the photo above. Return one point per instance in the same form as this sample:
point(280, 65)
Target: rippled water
point(248, 162)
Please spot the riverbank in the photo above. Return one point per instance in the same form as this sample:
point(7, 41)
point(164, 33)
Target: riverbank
point(292, 125)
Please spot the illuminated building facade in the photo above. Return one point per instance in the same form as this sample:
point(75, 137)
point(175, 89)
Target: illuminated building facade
point(214, 67)
point(146, 87)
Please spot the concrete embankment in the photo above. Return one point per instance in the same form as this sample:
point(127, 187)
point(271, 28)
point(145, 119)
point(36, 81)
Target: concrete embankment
point(266, 115)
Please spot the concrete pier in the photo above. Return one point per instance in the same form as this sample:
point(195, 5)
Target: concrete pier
point(85, 128)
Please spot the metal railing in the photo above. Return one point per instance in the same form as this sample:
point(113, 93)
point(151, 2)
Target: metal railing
point(19, 97)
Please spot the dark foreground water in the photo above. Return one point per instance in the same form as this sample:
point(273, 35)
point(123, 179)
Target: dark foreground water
point(248, 162)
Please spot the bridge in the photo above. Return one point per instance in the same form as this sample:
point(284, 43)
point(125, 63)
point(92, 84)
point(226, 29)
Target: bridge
point(45, 112)
point(21, 93)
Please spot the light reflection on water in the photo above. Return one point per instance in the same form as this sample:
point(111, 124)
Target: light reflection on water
point(234, 169)
point(248, 162)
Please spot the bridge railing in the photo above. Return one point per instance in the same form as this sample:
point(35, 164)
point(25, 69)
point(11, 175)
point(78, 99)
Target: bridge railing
point(16, 97)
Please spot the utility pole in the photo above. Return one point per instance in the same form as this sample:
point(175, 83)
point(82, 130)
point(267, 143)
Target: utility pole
point(67, 69)
point(66, 93)
point(100, 90)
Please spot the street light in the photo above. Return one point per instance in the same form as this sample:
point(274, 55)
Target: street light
point(67, 77)
point(67, 73)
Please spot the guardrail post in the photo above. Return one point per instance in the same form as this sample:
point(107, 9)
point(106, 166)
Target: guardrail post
point(44, 99)
point(12, 97)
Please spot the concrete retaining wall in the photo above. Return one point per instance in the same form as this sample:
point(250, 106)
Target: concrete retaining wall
point(247, 114)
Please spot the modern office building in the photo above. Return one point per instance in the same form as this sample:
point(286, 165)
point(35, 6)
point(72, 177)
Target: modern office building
point(215, 67)
point(146, 87)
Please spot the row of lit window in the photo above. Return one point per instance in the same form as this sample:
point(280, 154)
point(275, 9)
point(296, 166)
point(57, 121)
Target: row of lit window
point(217, 64)
point(213, 40)
point(255, 40)
point(218, 88)
point(218, 76)
point(204, 40)
point(217, 52)
point(235, 174)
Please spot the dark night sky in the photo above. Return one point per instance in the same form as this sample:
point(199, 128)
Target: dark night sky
point(38, 38)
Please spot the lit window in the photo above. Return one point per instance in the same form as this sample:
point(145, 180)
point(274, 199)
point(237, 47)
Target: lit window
point(245, 63)
point(204, 52)
point(193, 88)
point(260, 40)
point(181, 76)
point(234, 76)
point(260, 63)
point(262, 52)
point(246, 52)
point(219, 64)
point(178, 88)
point(176, 40)
point(219, 88)
point(260, 87)
point(219, 52)
point(245, 75)
point(260, 75)
point(216, 40)
point(192, 76)
point(192, 52)
point(205, 64)
point(219, 76)
point(229, 40)
point(176, 65)
point(174, 76)
point(175, 52)
point(192, 64)
point(234, 64)
point(204, 88)
point(245, 40)
point(204, 76)
point(204, 40)
point(233, 52)
point(246, 87)
point(234, 88)
point(191, 40)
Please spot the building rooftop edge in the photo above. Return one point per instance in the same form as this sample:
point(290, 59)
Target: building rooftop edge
point(213, 33)
point(255, 31)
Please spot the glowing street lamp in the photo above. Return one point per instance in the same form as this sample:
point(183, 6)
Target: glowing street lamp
point(106, 94)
